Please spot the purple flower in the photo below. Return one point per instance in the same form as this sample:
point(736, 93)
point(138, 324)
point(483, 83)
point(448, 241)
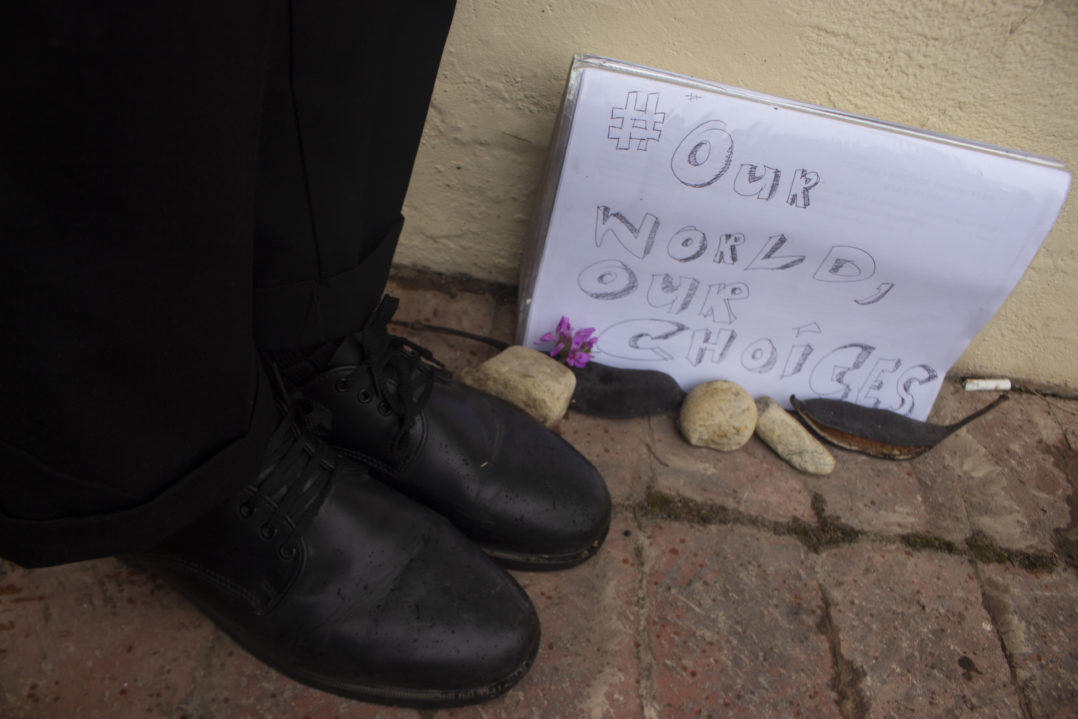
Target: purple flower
point(574, 348)
point(564, 327)
point(582, 336)
point(577, 359)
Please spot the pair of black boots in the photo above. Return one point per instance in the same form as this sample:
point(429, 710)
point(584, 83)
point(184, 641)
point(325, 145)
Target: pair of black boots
point(362, 559)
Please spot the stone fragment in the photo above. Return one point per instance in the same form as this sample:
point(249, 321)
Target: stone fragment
point(719, 414)
point(533, 381)
point(790, 440)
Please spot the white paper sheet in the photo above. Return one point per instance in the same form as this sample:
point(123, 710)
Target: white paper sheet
point(714, 233)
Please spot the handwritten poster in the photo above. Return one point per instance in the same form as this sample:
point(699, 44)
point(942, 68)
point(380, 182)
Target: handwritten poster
point(714, 233)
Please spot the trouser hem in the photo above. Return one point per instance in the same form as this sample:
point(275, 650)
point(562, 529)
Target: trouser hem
point(39, 543)
point(315, 311)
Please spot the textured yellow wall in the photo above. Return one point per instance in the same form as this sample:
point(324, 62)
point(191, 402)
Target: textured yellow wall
point(1003, 72)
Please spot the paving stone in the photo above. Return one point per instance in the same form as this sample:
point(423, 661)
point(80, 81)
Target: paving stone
point(232, 683)
point(76, 642)
point(472, 311)
point(617, 447)
point(885, 497)
point(504, 322)
point(100, 640)
point(1004, 464)
point(469, 311)
point(1064, 456)
point(1065, 412)
point(752, 480)
point(1038, 619)
point(914, 635)
point(588, 665)
point(733, 625)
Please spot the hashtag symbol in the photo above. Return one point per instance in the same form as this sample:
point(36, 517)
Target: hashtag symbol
point(636, 123)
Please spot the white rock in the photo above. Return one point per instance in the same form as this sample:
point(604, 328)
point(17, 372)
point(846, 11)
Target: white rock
point(719, 414)
point(536, 382)
point(790, 440)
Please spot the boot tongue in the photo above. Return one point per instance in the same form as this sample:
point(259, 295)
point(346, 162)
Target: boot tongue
point(353, 352)
point(348, 354)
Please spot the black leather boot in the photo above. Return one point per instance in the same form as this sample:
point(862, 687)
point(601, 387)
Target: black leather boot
point(525, 495)
point(340, 582)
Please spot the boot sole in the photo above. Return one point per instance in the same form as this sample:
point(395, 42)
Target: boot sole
point(411, 698)
point(544, 562)
point(388, 696)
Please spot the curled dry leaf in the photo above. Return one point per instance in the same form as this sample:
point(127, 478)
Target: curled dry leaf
point(876, 432)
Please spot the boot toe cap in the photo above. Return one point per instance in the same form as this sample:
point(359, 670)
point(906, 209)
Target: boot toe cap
point(547, 505)
point(432, 620)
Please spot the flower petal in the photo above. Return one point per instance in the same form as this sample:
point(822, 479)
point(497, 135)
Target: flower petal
point(585, 333)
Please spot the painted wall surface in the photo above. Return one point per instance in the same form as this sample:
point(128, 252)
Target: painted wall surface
point(1003, 72)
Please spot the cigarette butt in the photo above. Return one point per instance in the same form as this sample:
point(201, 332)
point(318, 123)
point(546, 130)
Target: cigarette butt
point(987, 385)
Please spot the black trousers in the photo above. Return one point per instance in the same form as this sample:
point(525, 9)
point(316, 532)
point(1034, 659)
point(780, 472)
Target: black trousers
point(183, 185)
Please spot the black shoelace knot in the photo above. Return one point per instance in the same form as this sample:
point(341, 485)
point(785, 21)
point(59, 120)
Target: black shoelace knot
point(402, 372)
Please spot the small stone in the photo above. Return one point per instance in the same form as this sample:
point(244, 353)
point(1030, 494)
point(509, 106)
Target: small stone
point(533, 381)
point(719, 414)
point(790, 440)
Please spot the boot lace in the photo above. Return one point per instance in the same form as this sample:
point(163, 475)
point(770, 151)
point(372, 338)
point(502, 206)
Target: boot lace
point(294, 480)
point(403, 372)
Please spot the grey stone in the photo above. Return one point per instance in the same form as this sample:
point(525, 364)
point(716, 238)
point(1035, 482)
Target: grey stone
point(718, 414)
point(533, 381)
point(790, 440)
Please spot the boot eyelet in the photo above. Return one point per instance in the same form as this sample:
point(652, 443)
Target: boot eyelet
point(287, 551)
point(246, 510)
point(342, 385)
point(364, 396)
point(383, 409)
point(267, 531)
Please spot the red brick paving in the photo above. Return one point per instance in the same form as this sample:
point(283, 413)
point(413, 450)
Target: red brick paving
point(734, 625)
point(912, 623)
point(731, 585)
point(1037, 616)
